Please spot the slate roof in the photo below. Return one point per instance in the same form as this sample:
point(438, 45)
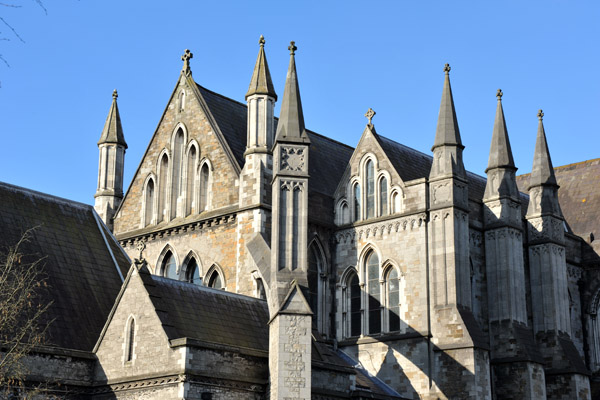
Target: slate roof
point(209, 315)
point(327, 159)
point(578, 195)
point(82, 278)
point(412, 164)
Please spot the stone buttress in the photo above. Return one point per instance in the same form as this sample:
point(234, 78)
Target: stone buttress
point(566, 374)
point(291, 317)
point(112, 162)
point(517, 367)
point(459, 350)
point(257, 173)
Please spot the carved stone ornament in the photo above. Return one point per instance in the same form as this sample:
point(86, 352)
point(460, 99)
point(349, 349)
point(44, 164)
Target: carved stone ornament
point(292, 158)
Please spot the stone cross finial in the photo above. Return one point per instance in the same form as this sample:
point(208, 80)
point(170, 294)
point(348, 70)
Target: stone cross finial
point(447, 68)
point(187, 55)
point(115, 94)
point(370, 114)
point(141, 246)
point(540, 114)
point(261, 41)
point(292, 48)
point(499, 94)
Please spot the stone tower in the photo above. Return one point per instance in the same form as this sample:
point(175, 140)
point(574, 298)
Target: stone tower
point(110, 170)
point(517, 368)
point(460, 356)
point(290, 326)
point(565, 374)
point(256, 175)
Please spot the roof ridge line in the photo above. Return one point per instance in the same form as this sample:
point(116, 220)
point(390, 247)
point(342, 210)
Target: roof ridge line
point(204, 288)
point(47, 196)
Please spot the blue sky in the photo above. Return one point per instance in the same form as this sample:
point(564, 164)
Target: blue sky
point(352, 55)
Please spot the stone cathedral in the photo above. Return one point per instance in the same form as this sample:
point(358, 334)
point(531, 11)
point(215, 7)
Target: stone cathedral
point(271, 262)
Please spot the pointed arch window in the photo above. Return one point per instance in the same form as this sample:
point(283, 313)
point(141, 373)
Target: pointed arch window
point(149, 201)
point(353, 305)
point(357, 202)
point(193, 272)
point(392, 286)
point(176, 178)
point(370, 182)
point(317, 286)
point(163, 188)
point(373, 293)
point(383, 196)
point(169, 266)
point(214, 280)
point(190, 203)
point(204, 182)
point(130, 340)
point(261, 293)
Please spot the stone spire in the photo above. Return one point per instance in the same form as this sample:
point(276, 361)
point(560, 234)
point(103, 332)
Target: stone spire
point(542, 172)
point(261, 82)
point(447, 132)
point(501, 165)
point(543, 189)
point(291, 119)
point(113, 131)
point(500, 151)
point(447, 146)
point(112, 148)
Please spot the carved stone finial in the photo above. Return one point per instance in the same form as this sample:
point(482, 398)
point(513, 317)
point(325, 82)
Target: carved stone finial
point(540, 115)
point(292, 48)
point(261, 41)
point(447, 68)
point(115, 94)
point(499, 94)
point(187, 55)
point(370, 114)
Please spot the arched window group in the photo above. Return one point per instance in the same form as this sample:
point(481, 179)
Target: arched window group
point(371, 195)
point(190, 270)
point(371, 305)
point(183, 184)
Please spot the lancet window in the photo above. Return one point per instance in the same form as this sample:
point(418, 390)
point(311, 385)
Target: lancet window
point(149, 202)
point(357, 202)
point(383, 196)
point(192, 159)
point(169, 266)
point(204, 186)
point(177, 169)
point(193, 272)
point(214, 279)
point(129, 340)
point(351, 305)
point(163, 187)
point(317, 286)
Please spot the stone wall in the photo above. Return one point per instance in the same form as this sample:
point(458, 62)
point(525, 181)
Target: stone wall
point(210, 244)
point(152, 354)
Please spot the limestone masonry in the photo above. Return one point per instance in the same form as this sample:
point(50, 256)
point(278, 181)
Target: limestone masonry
point(271, 262)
